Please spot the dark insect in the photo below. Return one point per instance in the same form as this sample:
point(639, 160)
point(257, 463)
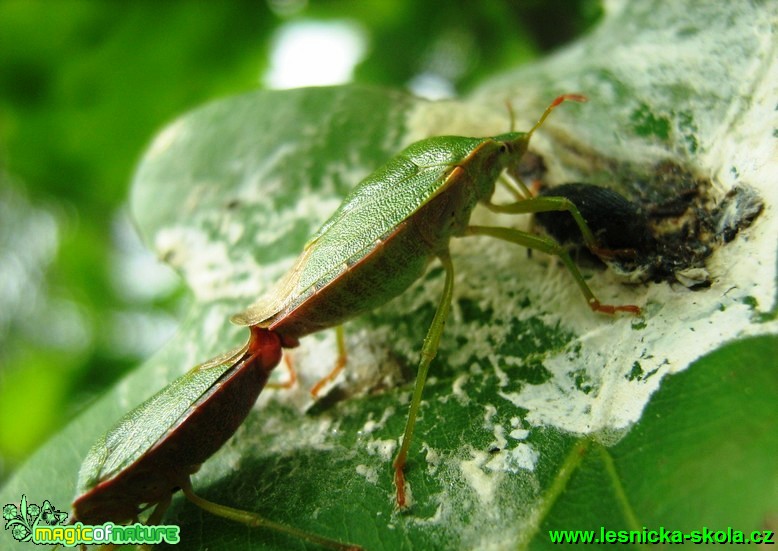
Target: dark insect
point(620, 226)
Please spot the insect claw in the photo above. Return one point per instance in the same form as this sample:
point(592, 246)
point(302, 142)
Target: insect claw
point(597, 306)
point(399, 483)
point(609, 254)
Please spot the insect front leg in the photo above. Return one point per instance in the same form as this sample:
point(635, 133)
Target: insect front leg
point(516, 187)
point(428, 351)
point(549, 246)
point(549, 204)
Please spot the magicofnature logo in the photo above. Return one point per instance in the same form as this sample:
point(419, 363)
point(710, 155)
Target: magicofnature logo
point(45, 525)
point(24, 519)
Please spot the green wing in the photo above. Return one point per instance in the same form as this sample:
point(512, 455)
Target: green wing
point(374, 209)
point(144, 426)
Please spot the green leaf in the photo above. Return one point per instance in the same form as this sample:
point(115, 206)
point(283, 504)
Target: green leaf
point(538, 414)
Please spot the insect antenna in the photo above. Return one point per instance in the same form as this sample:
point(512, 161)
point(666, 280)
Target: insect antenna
point(511, 115)
point(560, 99)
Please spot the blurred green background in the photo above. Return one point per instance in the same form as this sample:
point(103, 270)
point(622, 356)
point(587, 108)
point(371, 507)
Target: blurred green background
point(85, 85)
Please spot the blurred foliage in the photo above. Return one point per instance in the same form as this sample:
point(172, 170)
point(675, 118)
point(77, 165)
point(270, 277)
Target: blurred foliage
point(83, 87)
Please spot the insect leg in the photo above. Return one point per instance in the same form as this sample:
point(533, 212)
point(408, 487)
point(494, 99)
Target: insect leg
point(340, 363)
point(159, 511)
point(292, 378)
point(549, 246)
point(519, 190)
point(428, 351)
point(548, 204)
point(254, 520)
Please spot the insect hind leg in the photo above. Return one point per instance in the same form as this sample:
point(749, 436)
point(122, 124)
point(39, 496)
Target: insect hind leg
point(428, 351)
point(549, 246)
point(254, 520)
point(291, 378)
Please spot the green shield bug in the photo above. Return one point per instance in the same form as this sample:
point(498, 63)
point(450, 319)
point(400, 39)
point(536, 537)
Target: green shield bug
point(392, 225)
point(152, 451)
